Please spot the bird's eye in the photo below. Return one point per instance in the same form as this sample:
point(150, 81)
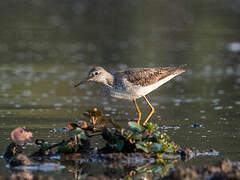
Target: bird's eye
point(96, 73)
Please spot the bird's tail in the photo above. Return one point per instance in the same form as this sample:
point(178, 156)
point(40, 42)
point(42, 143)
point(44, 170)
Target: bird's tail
point(180, 69)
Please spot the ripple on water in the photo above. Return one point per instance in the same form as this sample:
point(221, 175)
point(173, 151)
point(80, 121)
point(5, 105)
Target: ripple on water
point(17, 105)
point(44, 95)
point(237, 102)
point(76, 99)
point(57, 105)
point(6, 86)
point(107, 108)
point(36, 79)
point(52, 91)
point(85, 97)
point(217, 108)
point(114, 109)
point(113, 99)
point(34, 103)
point(234, 47)
point(11, 102)
point(170, 127)
point(27, 83)
point(216, 101)
point(220, 91)
point(107, 115)
point(75, 109)
point(238, 81)
point(223, 118)
point(27, 93)
point(68, 100)
point(105, 102)
point(5, 95)
point(162, 107)
point(46, 167)
point(17, 97)
point(89, 93)
point(196, 125)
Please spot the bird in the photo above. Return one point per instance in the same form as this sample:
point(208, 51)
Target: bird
point(132, 84)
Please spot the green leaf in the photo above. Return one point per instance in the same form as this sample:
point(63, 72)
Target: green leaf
point(82, 136)
point(45, 145)
point(150, 126)
point(79, 133)
point(137, 136)
point(117, 146)
point(65, 148)
point(142, 146)
point(156, 147)
point(157, 134)
point(135, 126)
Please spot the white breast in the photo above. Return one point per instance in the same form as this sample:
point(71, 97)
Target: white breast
point(131, 91)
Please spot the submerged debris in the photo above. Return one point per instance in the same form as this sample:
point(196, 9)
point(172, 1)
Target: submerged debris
point(18, 160)
point(14, 152)
point(19, 135)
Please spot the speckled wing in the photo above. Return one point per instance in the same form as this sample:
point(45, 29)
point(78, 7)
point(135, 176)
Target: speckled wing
point(149, 76)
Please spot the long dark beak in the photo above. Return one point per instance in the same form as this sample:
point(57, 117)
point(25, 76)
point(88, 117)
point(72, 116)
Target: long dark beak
point(81, 82)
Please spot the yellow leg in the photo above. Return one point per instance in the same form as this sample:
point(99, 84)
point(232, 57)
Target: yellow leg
point(152, 110)
point(138, 110)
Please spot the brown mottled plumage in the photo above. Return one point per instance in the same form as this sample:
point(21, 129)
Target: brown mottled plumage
point(148, 76)
point(133, 83)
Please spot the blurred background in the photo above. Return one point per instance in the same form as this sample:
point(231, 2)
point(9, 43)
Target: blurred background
point(46, 46)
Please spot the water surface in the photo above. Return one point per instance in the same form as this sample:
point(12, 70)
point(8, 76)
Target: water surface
point(46, 46)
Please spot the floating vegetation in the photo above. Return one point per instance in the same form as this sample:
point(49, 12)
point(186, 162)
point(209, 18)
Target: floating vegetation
point(144, 147)
point(147, 139)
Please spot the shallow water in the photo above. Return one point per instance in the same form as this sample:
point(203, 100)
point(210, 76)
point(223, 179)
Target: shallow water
point(47, 46)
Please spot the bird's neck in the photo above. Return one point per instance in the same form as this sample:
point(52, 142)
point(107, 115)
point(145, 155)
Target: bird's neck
point(109, 80)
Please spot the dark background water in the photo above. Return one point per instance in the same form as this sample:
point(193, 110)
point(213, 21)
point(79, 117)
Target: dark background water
point(45, 46)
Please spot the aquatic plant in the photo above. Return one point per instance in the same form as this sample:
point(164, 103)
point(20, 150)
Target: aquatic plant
point(147, 138)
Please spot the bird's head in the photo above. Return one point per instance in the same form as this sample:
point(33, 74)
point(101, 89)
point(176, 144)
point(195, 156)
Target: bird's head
point(96, 74)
